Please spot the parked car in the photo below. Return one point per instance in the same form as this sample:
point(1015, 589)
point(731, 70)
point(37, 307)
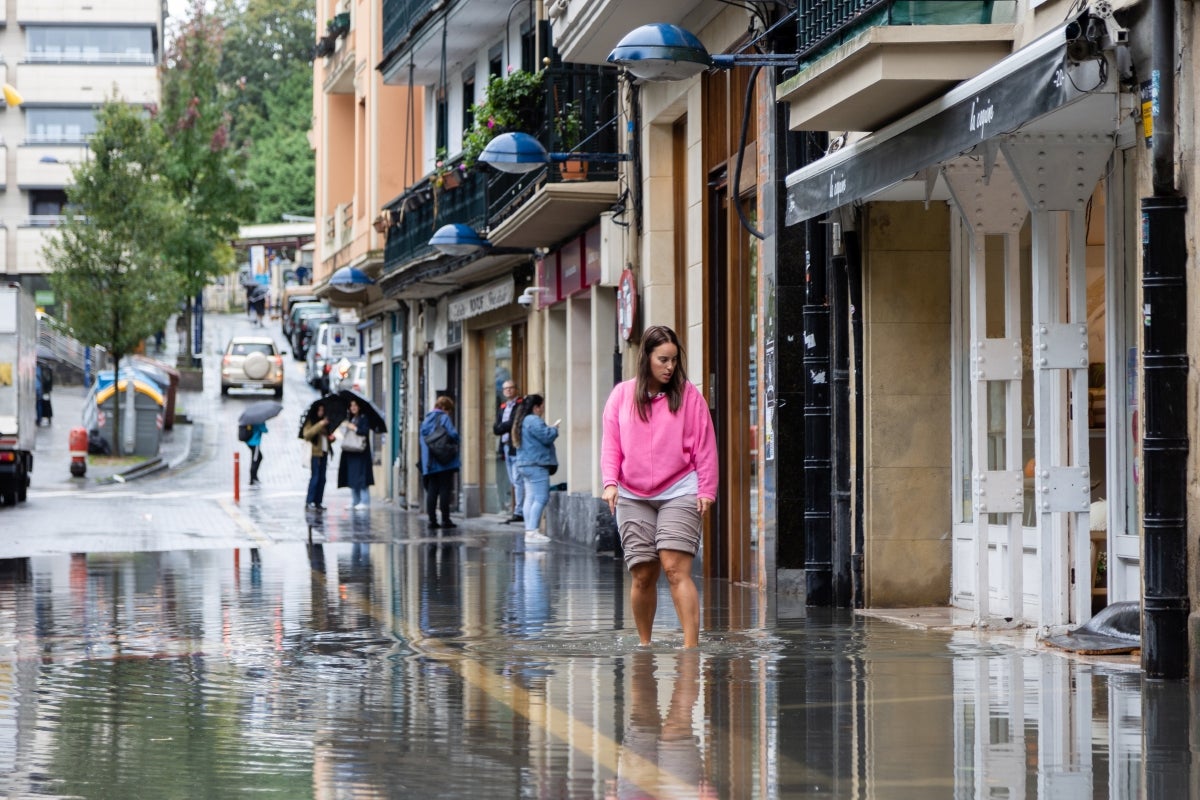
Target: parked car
point(296, 309)
point(292, 296)
point(252, 362)
point(351, 375)
point(331, 342)
point(305, 324)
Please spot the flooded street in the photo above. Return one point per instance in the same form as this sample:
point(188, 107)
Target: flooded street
point(453, 667)
point(162, 639)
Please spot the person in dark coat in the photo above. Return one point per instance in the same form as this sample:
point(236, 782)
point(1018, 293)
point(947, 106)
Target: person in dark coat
point(355, 469)
point(439, 478)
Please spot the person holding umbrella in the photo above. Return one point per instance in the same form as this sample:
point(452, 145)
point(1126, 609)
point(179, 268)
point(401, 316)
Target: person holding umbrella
point(316, 433)
point(355, 466)
point(252, 424)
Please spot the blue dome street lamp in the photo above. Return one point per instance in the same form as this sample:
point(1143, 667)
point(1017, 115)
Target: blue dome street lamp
point(664, 52)
point(520, 152)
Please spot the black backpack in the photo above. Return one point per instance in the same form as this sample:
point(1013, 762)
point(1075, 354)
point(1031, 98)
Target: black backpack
point(245, 432)
point(442, 448)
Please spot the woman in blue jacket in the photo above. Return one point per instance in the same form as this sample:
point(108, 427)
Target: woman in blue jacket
point(439, 475)
point(534, 440)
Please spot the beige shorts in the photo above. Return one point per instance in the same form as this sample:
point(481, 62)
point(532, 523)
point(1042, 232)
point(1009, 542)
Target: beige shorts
point(647, 526)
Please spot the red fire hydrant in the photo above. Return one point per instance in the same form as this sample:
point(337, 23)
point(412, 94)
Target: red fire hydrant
point(77, 443)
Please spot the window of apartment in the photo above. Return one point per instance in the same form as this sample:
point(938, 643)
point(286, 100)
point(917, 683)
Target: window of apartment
point(468, 98)
point(496, 61)
point(46, 206)
point(59, 125)
point(89, 44)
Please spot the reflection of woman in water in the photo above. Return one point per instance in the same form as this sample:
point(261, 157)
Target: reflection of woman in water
point(660, 756)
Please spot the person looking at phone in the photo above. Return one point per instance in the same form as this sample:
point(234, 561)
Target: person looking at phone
point(535, 460)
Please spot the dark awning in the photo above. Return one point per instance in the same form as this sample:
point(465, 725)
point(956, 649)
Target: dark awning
point(1029, 84)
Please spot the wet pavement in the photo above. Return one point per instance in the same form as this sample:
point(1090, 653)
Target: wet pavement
point(159, 640)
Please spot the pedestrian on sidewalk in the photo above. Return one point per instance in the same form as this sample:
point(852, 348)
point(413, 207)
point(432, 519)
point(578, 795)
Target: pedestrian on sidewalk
point(536, 459)
point(316, 432)
point(506, 453)
point(255, 445)
point(356, 466)
point(658, 460)
point(439, 473)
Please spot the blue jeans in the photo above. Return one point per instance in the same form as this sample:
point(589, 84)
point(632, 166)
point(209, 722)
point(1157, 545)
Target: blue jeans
point(316, 483)
point(537, 494)
point(514, 476)
point(360, 496)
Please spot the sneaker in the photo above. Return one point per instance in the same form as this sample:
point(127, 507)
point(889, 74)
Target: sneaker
point(311, 506)
point(536, 537)
point(318, 507)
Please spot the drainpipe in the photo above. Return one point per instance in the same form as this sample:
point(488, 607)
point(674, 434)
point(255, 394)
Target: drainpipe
point(854, 298)
point(1165, 605)
point(818, 468)
point(840, 415)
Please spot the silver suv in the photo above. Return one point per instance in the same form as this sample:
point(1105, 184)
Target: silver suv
point(252, 362)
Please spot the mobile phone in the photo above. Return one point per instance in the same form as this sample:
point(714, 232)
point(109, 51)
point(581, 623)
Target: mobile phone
point(556, 423)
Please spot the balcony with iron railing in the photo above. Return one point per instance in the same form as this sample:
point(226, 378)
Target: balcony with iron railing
point(488, 199)
point(402, 17)
point(864, 63)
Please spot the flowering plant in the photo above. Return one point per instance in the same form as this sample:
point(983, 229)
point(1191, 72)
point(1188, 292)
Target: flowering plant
point(512, 104)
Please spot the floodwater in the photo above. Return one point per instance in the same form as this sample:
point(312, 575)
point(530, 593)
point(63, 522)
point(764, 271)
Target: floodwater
point(451, 667)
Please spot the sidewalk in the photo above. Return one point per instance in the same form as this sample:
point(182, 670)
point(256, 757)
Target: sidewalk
point(52, 459)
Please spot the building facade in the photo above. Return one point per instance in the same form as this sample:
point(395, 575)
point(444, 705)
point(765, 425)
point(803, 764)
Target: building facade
point(929, 274)
point(65, 59)
point(366, 135)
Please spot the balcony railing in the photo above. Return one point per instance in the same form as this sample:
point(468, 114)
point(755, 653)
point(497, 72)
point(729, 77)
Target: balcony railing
point(420, 211)
point(592, 90)
point(824, 24)
point(400, 17)
point(486, 196)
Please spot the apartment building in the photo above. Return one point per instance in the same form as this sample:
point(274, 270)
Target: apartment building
point(65, 59)
point(367, 136)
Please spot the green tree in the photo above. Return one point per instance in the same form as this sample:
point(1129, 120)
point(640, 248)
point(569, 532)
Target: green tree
point(106, 255)
point(203, 167)
point(267, 54)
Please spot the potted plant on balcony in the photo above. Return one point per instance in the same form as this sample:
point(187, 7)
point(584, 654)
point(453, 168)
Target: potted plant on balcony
point(512, 104)
point(568, 132)
point(339, 25)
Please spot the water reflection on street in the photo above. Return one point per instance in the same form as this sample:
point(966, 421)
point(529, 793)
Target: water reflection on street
point(452, 667)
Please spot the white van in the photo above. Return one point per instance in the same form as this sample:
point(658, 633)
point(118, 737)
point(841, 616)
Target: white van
point(332, 341)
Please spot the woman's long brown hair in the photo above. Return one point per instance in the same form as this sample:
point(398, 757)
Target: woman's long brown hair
point(654, 336)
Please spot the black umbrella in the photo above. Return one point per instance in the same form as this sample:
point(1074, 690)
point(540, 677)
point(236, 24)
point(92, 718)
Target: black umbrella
point(335, 411)
point(374, 415)
point(258, 292)
point(258, 412)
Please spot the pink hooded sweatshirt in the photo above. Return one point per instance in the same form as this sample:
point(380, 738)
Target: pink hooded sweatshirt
point(647, 458)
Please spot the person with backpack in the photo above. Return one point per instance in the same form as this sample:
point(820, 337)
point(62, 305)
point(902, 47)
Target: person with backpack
point(252, 436)
point(439, 460)
point(536, 459)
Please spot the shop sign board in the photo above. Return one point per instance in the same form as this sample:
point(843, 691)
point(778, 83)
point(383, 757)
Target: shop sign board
point(481, 300)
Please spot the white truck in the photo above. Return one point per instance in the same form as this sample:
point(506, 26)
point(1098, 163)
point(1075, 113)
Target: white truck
point(18, 401)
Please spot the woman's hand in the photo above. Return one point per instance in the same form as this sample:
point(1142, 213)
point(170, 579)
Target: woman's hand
point(702, 505)
point(610, 497)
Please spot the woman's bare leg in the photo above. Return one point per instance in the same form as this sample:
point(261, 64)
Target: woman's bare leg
point(678, 566)
point(643, 596)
